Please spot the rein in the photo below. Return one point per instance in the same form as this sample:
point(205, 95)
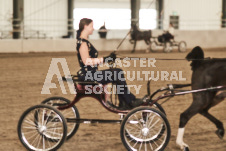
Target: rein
point(173, 59)
point(122, 40)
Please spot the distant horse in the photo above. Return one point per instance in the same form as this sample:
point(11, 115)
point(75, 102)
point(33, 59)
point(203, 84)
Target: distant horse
point(136, 35)
point(206, 73)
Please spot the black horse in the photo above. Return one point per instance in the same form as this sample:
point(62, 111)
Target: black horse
point(206, 73)
point(136, 35)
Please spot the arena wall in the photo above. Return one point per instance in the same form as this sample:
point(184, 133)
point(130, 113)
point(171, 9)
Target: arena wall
point(205, 39)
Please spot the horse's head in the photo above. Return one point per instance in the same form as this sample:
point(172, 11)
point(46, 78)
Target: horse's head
point(196, 56)
point(134, 27)
point(196, 53)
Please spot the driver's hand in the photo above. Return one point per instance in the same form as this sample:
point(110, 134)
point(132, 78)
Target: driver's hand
point(110, 58)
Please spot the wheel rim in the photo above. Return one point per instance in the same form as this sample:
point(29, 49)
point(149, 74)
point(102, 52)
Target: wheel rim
point(182, 47)
point(38, 126)
point(68, 113)
point(144, 131)
point(159, 108)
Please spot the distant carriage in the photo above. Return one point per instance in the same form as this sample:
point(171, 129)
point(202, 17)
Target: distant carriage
point(167, 42)
point(162, 40)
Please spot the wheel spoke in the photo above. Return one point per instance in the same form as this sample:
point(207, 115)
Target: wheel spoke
point(54, 133)
point(28, 121)
point(152, 118)
point(151, 146)
point(154, 124)
point(46, 120)
point(39, 140)
point(34, 140)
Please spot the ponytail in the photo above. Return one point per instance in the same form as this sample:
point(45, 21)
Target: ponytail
point(78, 34)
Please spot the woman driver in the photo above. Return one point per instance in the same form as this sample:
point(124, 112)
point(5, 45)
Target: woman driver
point(89, 61)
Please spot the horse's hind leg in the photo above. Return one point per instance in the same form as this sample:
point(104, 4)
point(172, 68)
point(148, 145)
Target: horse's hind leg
point(147, 41)
point(220, 128)
point(219, 124)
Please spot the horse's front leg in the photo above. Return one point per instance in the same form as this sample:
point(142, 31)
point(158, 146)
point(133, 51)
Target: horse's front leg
point(134, 46)
point(180, 141)
point(196, 107)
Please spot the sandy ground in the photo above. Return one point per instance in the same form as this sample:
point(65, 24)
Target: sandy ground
point(22, 78)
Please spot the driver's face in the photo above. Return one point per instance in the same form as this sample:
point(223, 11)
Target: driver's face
point(89, 28)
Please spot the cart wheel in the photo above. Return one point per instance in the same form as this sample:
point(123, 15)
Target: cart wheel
point(167, 47)
point(42, 127)
point(159, 108)
point(67, 113)
point(142, 129)
point(152, 46)
point(182, 46)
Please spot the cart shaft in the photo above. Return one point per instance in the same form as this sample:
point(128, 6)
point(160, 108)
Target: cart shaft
point(88, 121)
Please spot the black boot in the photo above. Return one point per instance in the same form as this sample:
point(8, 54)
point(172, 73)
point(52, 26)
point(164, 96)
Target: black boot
point(123, 106)
point(137, 102)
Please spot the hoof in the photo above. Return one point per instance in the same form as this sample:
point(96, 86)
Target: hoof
point(220, 133)
point(132, 51)
point(186, 149)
